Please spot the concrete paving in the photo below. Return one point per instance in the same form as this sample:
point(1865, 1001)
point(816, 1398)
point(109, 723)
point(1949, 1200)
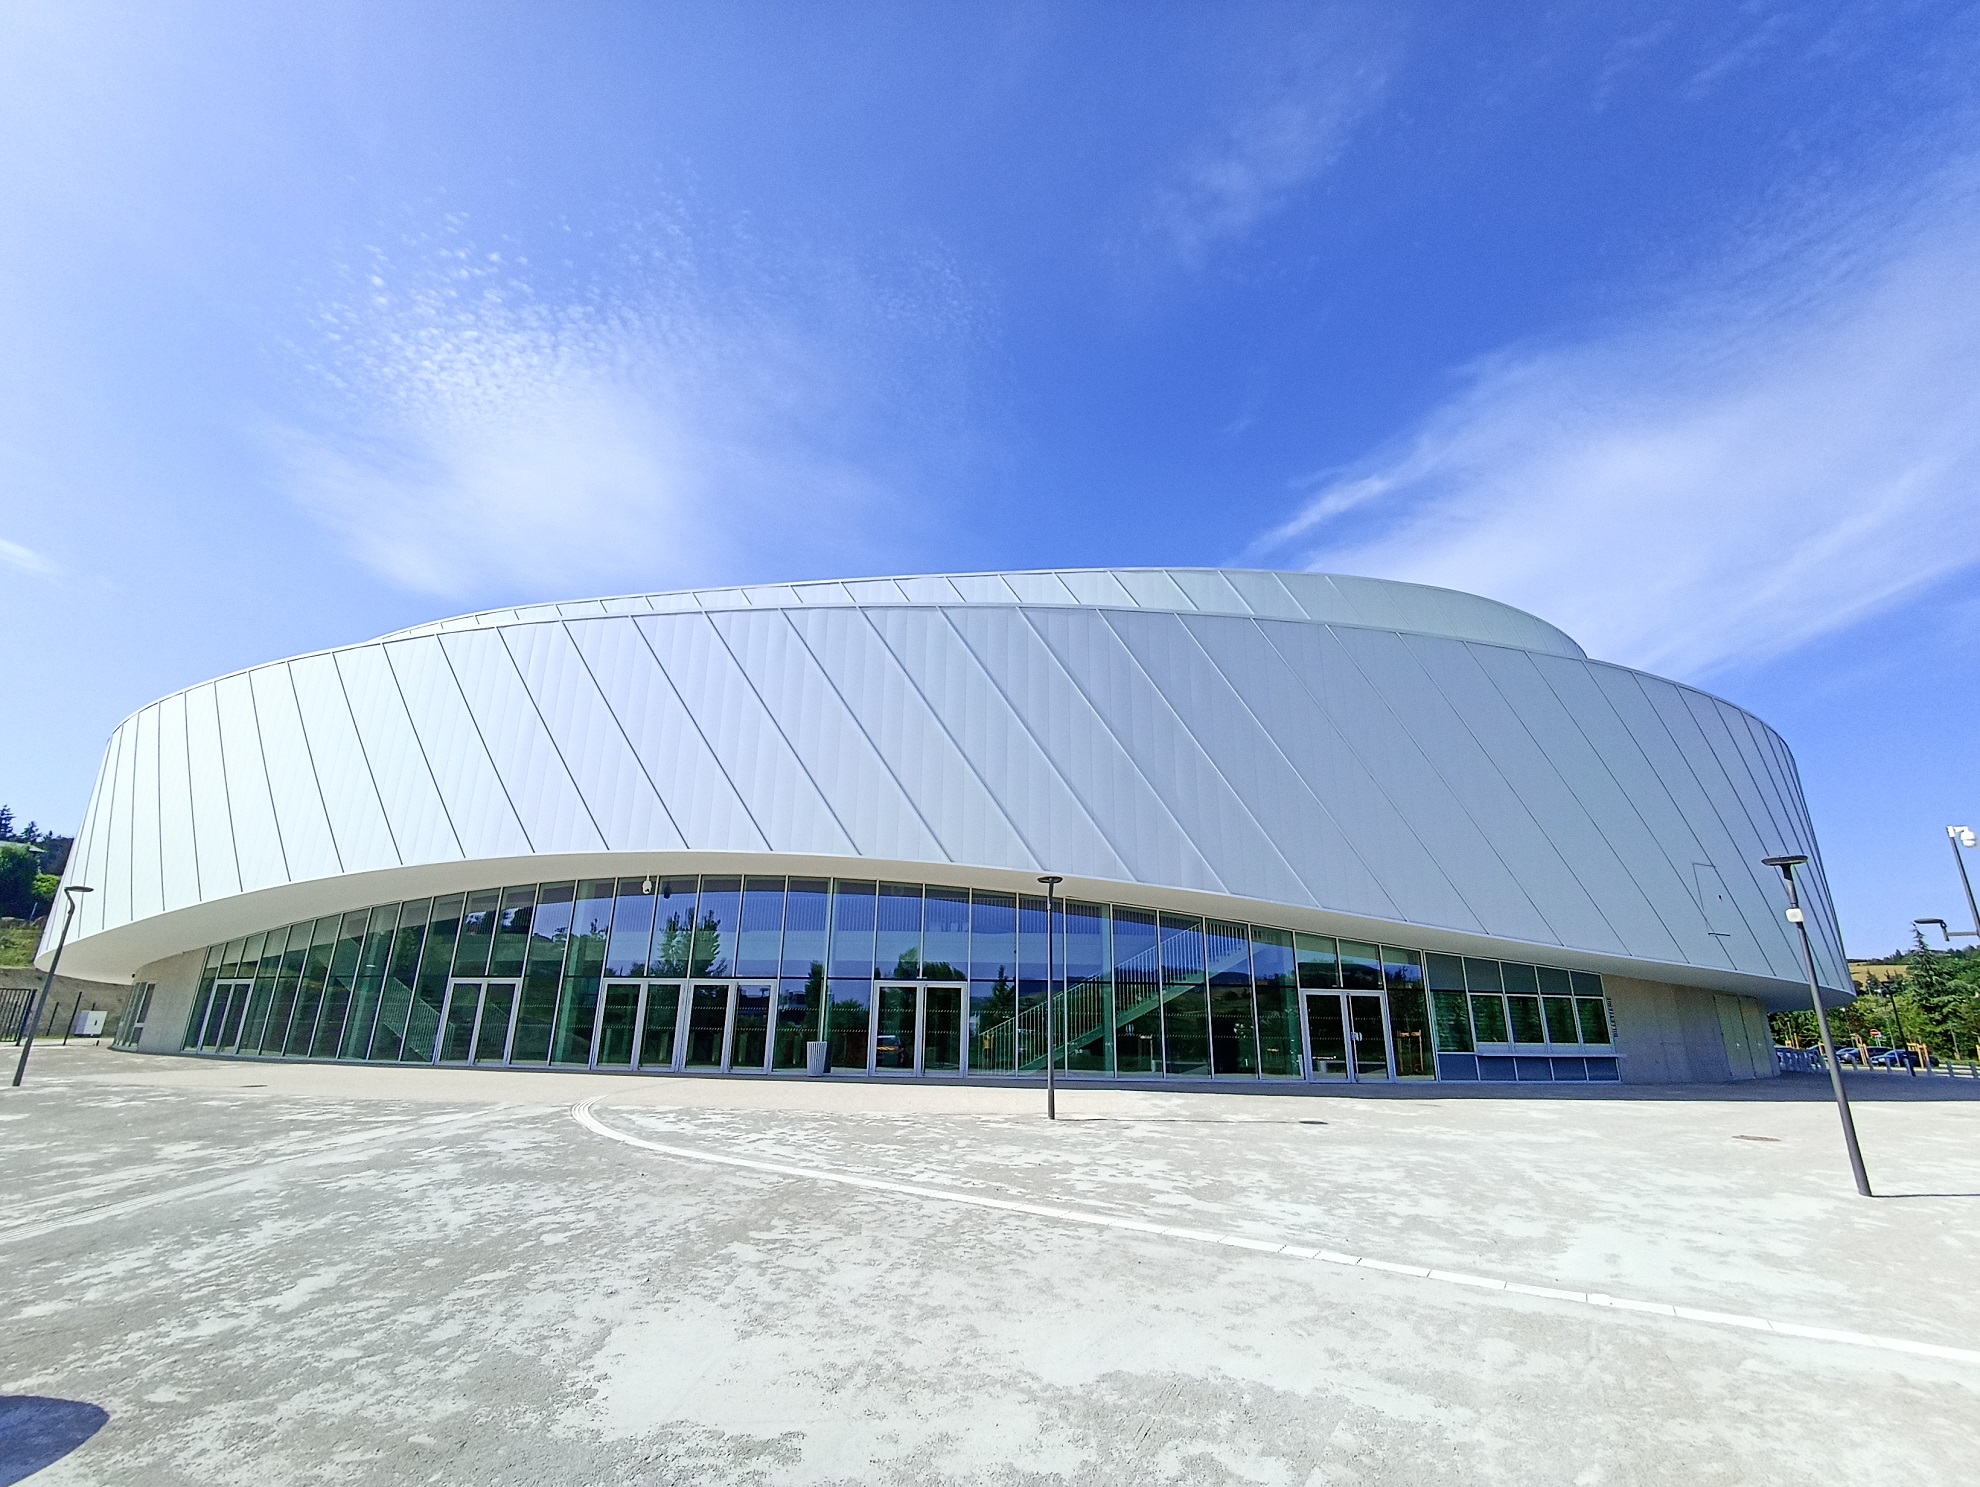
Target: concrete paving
point(221, 1272)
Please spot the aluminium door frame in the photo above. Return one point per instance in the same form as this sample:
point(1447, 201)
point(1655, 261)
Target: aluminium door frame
point(919, 1069)
point(1354, 1074)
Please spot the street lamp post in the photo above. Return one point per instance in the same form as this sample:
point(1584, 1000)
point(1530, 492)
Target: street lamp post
point(1787, 865)
point(1962, 836)
point(1051, 881)
point(48, 981)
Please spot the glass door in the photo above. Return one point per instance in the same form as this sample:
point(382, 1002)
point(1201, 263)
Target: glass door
point(895, 1018)
point(707, 1025)
point(457, 1021)
point(941, 1029)
point(659, 1016)
point(1327, 1036)
point(1369, 1035)
point(491, 1034)
point(618, 1012)
point(917, 1030)
point(749, 1037)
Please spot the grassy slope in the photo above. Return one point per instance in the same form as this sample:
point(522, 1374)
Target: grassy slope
point(17, 944)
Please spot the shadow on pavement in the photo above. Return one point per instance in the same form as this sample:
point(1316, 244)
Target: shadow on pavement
point(36, 1431)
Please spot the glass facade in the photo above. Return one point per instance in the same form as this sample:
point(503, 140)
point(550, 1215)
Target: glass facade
point(742, 973)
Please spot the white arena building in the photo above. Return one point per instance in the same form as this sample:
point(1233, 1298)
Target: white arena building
point(1310, 829)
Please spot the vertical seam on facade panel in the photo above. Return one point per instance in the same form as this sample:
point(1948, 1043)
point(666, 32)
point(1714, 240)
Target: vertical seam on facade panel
point(749, 681)
point(1320, 706)
point(860, 724)
point(536, 709)
point(79, 865)
point(192, 822)
point(1594, 819)
point(370, 774)
point(1196, 743)
point(619, 723)
point(714, 754)
point(1182, 831)
point(495, 769)
point(113, 761)
point(261, 749)
point(412, 727)
point(309, 755)
point(1457, 796)
point(158, 794)
point(1790, 774)
point(941, 724)
point(1045, 758)
point(1788, 821)
point(130, 830)
point(1759, 789)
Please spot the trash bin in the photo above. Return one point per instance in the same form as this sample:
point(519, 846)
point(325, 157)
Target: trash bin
point(815, 1059)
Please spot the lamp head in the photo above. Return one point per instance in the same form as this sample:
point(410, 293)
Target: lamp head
point(78, 888)
point(1787, 865)
point(1961, 834)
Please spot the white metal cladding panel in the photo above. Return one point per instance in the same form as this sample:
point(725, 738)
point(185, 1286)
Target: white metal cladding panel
point(147, 885)
point(1405, 735)
point(590, 740)
point(1171, 736)
point(179, 854)
point(875, 591)
point(343, 775)
point(413, 808)
point(1670, 806)
point(1045, 812)
point(1038, 588)
point(933, 590)
point(1619, 852)
point(1210, 591)
point(310, 846)
point(1507, 783)
point(1225, 671)
point(85, 858)
point(864, 795)
point(1084, 753)
point(553, 814)
point(958, 808)
point(779, 793)
point(240, 841)
point(1264, 595)
point(477, 804)
point(116, 884)
point(1152, 588)
point(982, 588)
point(671, 751)
point(822, 593)
point(1097, 586)
point(1328, 751)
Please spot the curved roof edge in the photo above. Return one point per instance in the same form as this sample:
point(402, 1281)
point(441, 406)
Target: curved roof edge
point(1326, 598)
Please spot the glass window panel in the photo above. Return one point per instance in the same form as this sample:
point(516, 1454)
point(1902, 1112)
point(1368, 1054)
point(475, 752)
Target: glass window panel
point(1182, 949)
point(993, 937)
point(617, 1013)
point(945, 935)
point(584, 963)
point(673, 926)
point(1402, 970)
point(1594, 1020)
point(632, 927)
point(1520, 979)
point(1523, 1016)
point(1361, 966)
point(760, 947)
point(656, 1039)
point(1586, 984)
point(230, 959)
point(337, 992)
point(543, 971)
point(1488, 1016)
point(1274, 972)
point(436, 961)
point(1086, 989)
point(1444, 972)
point(993, 1025)
point(1137, 948)
point(251, 953)
point(1084, 938)
point(281, 1007)
point(1409, 1030)
point(309, 994)
point(807, 902)
point(477, 935)
point(1483, 975)
point(388, 1035)
point(1550, 981)
point(1560, 1019)
point(370, 987)
point(1233, 1031)
point(1186, 1031)
point(1227, 950)
point(1319, 961)
point(800, 1017)
point(897, 947)
point(1031, 985)
point(1137, 1027)
point(852, 943)
point(1451, 1019)
point(716, 927)
point(214, 955)
point(512, 931)
point(850, 998)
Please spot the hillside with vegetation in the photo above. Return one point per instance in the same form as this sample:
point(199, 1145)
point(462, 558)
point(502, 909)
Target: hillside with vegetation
point(1921, 996)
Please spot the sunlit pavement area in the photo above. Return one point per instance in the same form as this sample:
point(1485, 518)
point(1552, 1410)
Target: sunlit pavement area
point(256, 1273)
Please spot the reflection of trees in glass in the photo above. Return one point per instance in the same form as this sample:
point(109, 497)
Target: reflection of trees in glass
point(670, 948)
point(908, 966)
point(706, 958)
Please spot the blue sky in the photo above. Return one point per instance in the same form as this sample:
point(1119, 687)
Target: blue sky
point(1660, 320)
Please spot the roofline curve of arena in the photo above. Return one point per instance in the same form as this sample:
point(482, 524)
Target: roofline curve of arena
point(1312, 829)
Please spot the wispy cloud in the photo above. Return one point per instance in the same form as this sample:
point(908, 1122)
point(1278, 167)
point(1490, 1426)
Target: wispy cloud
point(1276, 139)
point(694, 410)
point(1775, 459)
point(26, 559)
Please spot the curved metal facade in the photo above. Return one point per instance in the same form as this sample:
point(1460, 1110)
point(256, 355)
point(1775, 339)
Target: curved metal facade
point(1365, 754)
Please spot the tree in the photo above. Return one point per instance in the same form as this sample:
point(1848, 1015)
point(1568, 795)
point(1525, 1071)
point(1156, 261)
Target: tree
point(19, 865)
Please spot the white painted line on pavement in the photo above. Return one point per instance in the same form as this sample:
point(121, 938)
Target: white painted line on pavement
point(582, 1113)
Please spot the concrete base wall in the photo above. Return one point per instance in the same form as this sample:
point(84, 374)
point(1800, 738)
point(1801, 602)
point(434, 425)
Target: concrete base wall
point(68, 993)
point(1684, 1035)
point(176, 980)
